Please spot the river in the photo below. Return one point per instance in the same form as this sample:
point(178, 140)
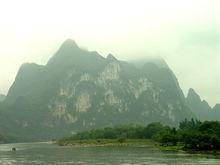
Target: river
point(46, 154)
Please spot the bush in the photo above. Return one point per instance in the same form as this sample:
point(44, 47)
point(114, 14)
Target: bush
point(121, 140)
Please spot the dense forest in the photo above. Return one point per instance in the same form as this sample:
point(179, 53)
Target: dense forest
point(191, 134)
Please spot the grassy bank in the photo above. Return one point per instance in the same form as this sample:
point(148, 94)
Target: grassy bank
point(170, 148)
point(105, 142)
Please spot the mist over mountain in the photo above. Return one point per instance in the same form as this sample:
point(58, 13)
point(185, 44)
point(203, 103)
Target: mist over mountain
point(161, 63)
point(79, 90)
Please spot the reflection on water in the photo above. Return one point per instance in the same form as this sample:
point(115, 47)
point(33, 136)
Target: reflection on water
point(44, 153)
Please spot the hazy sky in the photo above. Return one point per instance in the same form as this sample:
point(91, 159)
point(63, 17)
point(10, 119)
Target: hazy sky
point(186, 33)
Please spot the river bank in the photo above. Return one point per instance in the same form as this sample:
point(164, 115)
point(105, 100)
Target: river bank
point(133, 142)
point(106, 142)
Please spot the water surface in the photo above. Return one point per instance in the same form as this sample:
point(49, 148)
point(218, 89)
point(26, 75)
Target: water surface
point(46, 154)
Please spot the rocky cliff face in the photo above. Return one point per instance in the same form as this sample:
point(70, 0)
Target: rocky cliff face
point(79, 90)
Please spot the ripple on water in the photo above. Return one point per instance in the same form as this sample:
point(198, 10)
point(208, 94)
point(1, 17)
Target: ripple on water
point(43, 153)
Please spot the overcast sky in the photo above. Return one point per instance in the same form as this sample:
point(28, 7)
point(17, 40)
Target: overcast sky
point(186, 33)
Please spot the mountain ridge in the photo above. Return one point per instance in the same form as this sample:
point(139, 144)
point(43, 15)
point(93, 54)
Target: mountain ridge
point(79, 90)
point(201, 108)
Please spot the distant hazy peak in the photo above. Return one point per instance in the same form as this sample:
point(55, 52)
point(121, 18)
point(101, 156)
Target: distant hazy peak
point(69, 43)
point(217, 107)
point(205, 103)
point(110, 57)
point(191, 91)
point(68, 49)
point(193, 96)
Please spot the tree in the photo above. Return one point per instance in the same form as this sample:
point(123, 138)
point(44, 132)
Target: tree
point(152, 129)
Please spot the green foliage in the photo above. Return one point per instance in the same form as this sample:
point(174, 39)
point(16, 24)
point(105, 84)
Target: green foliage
point(192, 134)
point(205, 137)
point(152, 129)
point(126, 132)
point(200, 135)
point(190, 124)
point(121, 139)
point(169, 139)
point(210, 127)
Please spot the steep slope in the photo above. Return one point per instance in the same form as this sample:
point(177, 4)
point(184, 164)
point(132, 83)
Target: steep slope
point(2, 97)
point(216, 112)
point(201, 108)
point(79, 90)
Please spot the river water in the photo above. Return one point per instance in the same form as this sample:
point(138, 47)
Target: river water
point(46, 154)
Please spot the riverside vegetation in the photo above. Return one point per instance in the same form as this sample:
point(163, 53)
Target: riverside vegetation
point(191, 135)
